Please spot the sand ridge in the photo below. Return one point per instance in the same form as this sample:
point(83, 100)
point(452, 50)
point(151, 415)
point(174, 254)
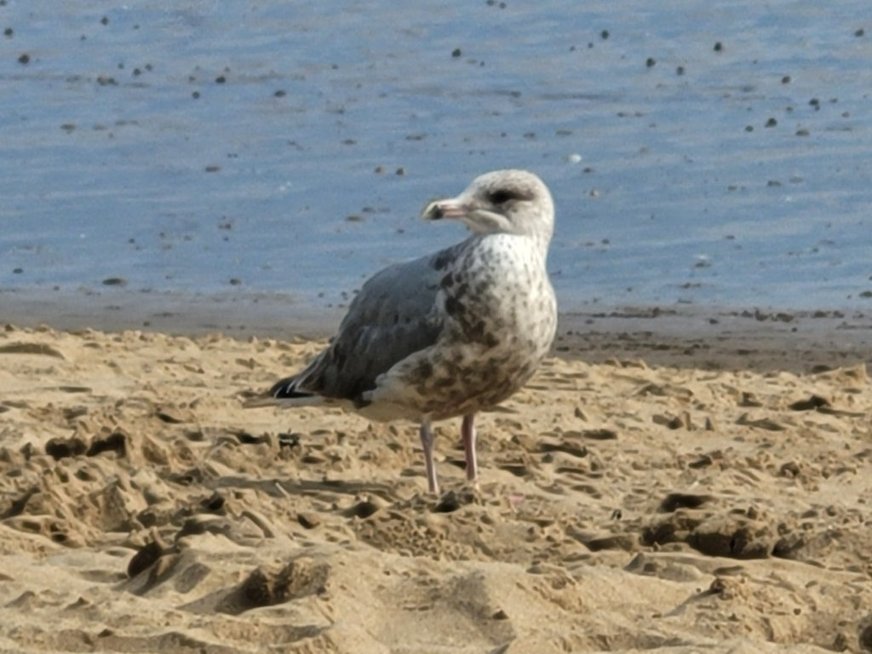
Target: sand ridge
point(623, 507)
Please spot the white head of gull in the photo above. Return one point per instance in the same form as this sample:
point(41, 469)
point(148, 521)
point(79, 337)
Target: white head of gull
point(449, 334)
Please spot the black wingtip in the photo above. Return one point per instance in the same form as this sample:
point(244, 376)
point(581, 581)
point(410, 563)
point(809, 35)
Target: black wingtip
point(286, 389)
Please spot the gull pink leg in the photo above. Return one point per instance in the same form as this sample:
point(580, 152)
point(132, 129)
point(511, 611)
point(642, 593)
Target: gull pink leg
point(467, 431)
point(429, 464)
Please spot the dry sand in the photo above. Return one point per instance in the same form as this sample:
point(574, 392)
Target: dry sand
point(681, 505)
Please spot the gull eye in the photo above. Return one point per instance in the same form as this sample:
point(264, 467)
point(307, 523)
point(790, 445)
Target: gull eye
point(501, 197)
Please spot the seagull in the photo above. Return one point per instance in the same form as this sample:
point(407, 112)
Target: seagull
point(451, 333)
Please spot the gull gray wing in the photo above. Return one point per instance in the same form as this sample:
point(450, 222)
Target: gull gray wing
point(393, 316)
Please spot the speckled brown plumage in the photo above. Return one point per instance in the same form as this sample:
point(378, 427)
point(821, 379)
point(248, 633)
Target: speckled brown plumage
point(452, 333)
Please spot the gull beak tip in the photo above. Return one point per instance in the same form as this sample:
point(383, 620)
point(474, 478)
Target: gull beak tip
point(432, 211)
point(439, 209)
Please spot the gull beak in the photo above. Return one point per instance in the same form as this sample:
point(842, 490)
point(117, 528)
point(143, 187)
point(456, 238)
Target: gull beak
point(439, 209)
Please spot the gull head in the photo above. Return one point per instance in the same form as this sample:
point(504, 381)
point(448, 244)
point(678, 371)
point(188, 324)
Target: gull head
point(501, 202)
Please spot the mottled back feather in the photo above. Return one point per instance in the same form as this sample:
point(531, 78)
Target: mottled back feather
point(393, 316)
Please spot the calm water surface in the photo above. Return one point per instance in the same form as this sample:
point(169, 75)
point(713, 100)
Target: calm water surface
point(701, 155)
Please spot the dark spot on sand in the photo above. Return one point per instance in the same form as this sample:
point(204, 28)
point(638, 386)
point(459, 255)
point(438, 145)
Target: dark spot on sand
point(61, 448)
point(363, 509)
point(145, 558)
point(114, 442)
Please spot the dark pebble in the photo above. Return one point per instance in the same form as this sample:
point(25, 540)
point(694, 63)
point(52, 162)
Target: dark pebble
point(114, 281)
point(114, 442)
point(280, 93)
point(17, 271)
point(604, 35)
point(104, 20)
point(8, 32)
point(289, 440)
point(220, 79)
point(245, 438)
point(24, 59)
point(650, 62)
point(860, 32)
point(235, 281)
point(401, 171)
point(61, 448)
point(785, 79)
point(212, 168)
point(802, 132)
point(771, 122)
point(456, 52)
point(679, 70)
point(813, 403)
point(308, 520)
point(719, 47)
point(195, 95)
point(363, 509)
point(749, 128)
point(144, 558)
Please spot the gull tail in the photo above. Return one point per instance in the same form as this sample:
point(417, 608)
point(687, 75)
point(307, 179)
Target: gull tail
point(285, 393)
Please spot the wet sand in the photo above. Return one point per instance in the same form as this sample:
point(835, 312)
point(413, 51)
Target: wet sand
point(651, 488)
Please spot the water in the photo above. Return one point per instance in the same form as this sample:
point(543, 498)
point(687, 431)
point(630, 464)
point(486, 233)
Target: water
point(320, 131)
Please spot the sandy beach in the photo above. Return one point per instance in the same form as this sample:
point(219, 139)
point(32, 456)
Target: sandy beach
point(634, 496)
point(192, 190)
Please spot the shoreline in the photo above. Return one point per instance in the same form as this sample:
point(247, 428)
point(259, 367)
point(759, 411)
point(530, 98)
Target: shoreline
point(680, 336)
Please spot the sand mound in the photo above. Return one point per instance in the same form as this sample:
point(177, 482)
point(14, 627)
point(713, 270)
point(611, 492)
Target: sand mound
point(623, 508)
